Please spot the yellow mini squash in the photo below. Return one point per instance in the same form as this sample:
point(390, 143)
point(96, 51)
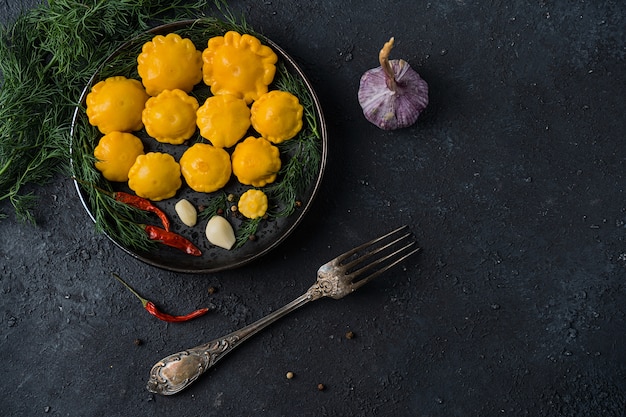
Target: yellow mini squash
point(253, 204)
point(170, 117)
point(155, 176)
point(205, 167)
point(256, 162)
point(115, 153)
point(115, 105)
point(223, 120)
point(277, 116)
point(239, 65)
point(169, 62)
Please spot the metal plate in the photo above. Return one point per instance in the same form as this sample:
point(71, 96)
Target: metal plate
point(271, 232)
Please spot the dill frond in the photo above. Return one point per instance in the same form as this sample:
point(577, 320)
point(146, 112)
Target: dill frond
point(219, 201)
point(47, 56)
point(246, 230)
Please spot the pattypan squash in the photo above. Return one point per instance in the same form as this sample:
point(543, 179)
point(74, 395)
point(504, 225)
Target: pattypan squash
point(116, 153)
point(277, 116)
point(239, 65)
point(115, 105)
point(169, 62)
point(256, 162)
point(253, 204)
point(170, 117)
point(155, 176)
point(223, 120)
point(205, 167)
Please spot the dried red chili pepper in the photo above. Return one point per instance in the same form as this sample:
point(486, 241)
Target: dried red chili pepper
point(135, 201)
point(142, 204)
point(171, 239)
point(152, 308)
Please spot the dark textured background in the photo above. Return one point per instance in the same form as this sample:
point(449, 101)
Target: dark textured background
point(512, 181)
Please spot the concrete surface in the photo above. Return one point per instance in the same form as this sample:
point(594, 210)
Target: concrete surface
point(512, 182)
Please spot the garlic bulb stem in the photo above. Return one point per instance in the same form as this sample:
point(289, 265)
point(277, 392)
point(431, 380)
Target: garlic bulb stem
point(383, 58)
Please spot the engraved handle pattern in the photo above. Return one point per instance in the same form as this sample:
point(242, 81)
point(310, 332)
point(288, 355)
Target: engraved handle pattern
point(176, 372)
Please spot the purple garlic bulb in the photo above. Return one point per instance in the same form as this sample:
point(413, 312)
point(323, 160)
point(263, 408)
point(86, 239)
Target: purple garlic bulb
point(392, 95)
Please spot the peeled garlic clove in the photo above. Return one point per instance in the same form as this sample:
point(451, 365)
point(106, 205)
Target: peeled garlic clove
point(187, 212)
point(220, 232)
point(392, 95)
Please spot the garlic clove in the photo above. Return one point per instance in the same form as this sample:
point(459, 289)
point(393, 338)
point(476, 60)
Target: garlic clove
point(220, 233)
point(392, 95)
point(187, 212)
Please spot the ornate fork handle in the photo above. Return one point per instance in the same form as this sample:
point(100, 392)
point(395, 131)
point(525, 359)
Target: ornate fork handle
point(176, 372)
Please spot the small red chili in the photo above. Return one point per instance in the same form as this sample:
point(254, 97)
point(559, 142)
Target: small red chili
point(142, 204)
point(171, 239)
point(135, 201)
point(152, 308)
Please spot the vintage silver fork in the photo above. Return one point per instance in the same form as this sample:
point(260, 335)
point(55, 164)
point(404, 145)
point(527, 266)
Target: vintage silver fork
point(336, 279)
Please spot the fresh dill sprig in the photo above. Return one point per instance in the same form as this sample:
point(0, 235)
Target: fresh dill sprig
point(304, 150)
point(47, 56)
point(216, 204)
point(247, 230)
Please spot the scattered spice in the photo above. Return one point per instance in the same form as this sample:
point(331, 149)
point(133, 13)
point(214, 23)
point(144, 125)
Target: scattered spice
point(289, 375)
point(321, 387)
point(152, 308)
point(212, 290)
point(172, 239)
point(350, 335)
point(138, 342)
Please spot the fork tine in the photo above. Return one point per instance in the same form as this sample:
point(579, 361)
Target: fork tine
point(405, 252)
point(365, 245)
point(397, 256)
point(364, 257)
